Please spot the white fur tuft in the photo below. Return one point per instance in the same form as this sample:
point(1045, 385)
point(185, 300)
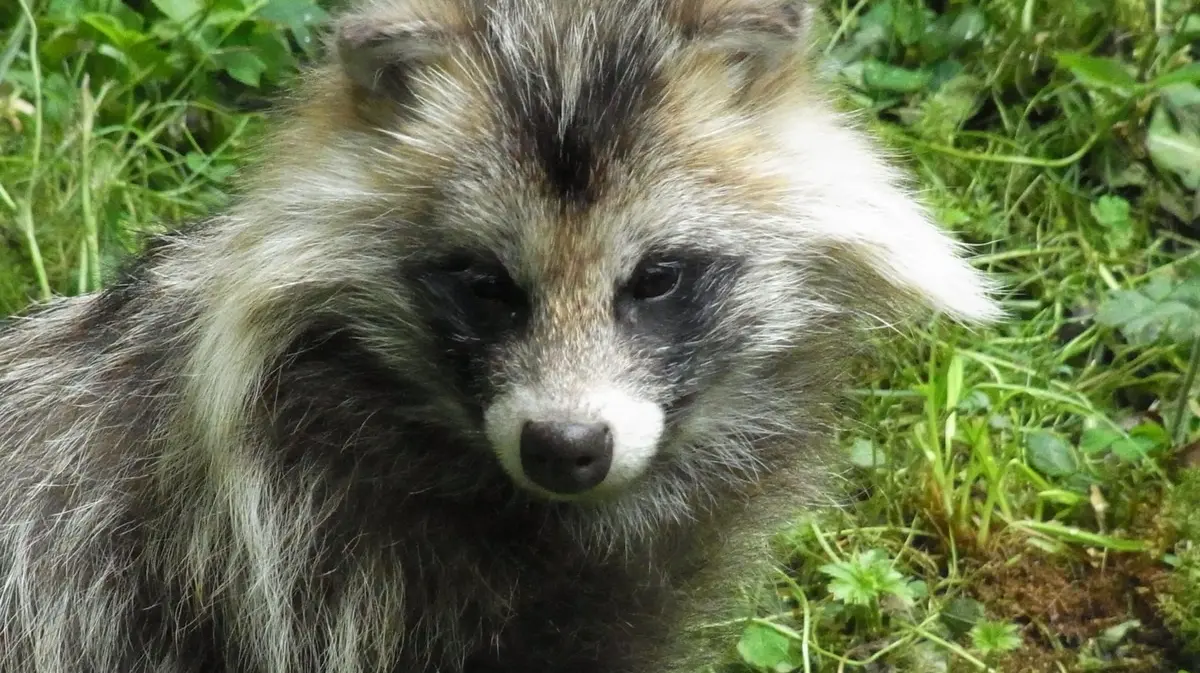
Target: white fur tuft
point(848, 195)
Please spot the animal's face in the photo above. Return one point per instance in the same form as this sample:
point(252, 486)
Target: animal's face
point(587, 338)
point(639, 233)
point(601, 266)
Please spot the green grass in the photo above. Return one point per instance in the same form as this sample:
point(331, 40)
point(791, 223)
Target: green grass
point(1026, 498)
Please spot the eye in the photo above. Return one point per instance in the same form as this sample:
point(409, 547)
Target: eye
point(655, 280)
point(458, 264)
point(491, 288)
point(486, 281)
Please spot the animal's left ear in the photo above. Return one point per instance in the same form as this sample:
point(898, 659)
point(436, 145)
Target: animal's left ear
point(769, 30)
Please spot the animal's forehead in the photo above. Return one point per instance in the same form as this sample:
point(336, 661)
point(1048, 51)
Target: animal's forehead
point(573, 90)
point(591, 146)
point(551, 245)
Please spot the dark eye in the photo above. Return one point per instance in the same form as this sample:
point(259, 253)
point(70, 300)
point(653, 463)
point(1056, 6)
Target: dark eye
point(491, 288)
point(458, 264)
point(655, 280)
point(486, 281)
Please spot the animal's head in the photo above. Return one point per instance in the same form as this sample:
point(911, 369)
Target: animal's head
point(621, 238)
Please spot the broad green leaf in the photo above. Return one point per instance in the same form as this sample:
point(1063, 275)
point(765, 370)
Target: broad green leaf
point(1176, 319)
point(943, 72)
point(1191, 27)
point(765, 648)
point(1181, 205)
point(1099, 73)
point(1132, 449)
point(1182, 101)
point(1129, 175)
point(271, 47)
point(882, 76)
point(865, 454)
point(179, 11)
point(115, 54)
point(879, 19)
point(1121, 307)
point(227, 17)
point(911, 22)
point(244, 66)
point(1159, 287)
point(1188, 291)
point(1174, 150)
point(1050, 455)
point(927, 657)
point(110, 27)
point(299, 16)
point(1079, 482)
point(215, 171)
point(293, 13)
point(968, 25)
point(1097, 440)
point(1188, 74)
point(839, 571)
point(950, 32)
point(961, 614)
point(1112, 213)
point(976, 401)
point(853, 74)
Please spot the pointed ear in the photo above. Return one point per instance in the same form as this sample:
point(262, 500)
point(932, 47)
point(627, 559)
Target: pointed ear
point(763, 30)
point(380, 47)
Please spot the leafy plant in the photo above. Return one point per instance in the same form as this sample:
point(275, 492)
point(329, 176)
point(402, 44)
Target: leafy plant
point(183, 43)
point(990, 638)
point(121, 116)
point(1172, 136)
point(765, 648)
point(865, 581)
point(1162, 307)
point(903, 48)
point(1113, 214)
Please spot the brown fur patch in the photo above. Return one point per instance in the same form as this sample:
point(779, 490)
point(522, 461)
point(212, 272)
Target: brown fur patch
point(719, 139)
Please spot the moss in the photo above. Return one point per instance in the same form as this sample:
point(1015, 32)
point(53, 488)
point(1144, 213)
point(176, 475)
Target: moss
point(1179, 601)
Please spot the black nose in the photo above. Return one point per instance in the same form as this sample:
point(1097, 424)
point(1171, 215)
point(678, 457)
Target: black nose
point(566, 458)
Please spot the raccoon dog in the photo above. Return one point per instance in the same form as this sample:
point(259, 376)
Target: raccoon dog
point(526, 326)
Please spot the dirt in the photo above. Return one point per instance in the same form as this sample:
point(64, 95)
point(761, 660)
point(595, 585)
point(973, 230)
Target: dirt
point(1065, 604)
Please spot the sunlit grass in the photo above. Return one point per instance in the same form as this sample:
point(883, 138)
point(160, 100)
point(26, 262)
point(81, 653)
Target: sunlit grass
point(1048, 442)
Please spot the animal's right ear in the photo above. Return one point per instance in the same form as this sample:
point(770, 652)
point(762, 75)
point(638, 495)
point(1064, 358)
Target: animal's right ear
point(380, 48)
